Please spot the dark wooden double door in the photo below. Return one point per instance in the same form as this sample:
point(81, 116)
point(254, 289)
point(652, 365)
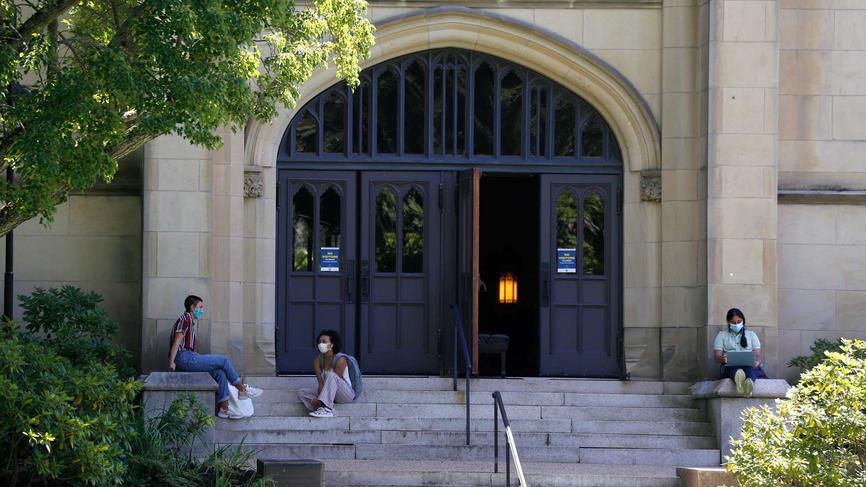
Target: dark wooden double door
point(359, 253)
point(379, 256)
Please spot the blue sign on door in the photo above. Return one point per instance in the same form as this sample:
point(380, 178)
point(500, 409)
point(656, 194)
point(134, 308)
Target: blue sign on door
point(329, 259)
point(566, 261)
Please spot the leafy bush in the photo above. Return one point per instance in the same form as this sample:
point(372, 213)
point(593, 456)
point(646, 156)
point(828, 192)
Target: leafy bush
point(822, 345)
point(817, 436)
point(160, 452)
point(71, 322)
point(59, 421)
point(68, 417)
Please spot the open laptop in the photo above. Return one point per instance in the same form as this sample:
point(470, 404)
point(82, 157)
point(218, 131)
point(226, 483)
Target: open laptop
point(741, 358)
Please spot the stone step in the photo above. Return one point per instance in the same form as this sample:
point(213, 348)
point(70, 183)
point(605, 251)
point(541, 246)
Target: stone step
point(416, 473)
point(558, 454)
point(519, 384)
point(641, 456)
point(257, 423)
point(454, 438)
point(510, 398)
point(457, 411)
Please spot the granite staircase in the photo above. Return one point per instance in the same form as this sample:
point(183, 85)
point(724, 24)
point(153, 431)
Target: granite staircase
point(411, 431)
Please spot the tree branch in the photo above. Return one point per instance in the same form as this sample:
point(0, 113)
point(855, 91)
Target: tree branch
point(39, 21)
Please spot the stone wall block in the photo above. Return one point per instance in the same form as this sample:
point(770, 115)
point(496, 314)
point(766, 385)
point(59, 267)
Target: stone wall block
point(806, 29)
point(681, 220)
point(758, 302)
point(174, 147)
point(743, 261)
point(565, 22)
point(807, 309)
point(680, 26)
point(805, 118)
point(622, 29)
point(747, 65)
point(642, 307)
point(811, 267)
point(178, 174)
point(743, 110)
point(745, 21)
point(849, 28)
point(848, 115)
point(680, 185)
point(645, 227)
point(742, 218)
point(680, 115)
point(849, 225)
point(678, 354)
point(680, 69)
point(104, 215)
point(642, 357)
point(684, 306)
point(60, 224)
point(178, 254)
point(743, 150)
point(680, 263)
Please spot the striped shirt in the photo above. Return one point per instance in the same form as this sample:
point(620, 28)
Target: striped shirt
point(185, 325)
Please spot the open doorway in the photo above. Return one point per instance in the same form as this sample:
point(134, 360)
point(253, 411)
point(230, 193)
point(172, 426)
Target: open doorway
point(509, 244)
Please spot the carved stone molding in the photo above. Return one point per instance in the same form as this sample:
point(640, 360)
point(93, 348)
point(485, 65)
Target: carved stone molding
point(254, 184)
point(651, 185)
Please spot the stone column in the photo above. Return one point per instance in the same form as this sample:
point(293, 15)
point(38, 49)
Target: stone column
point(683, 196)
point(176, 241)
point(227, 254)
point(742, 169)
point(260, 233)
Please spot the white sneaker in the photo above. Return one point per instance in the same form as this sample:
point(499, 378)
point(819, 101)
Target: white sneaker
point(322, 412)
point(748, 387)
point(229, 415)
point(739, 381)
point(250, 392)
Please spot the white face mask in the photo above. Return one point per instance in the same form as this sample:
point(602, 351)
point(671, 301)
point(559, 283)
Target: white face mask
point(324, 347)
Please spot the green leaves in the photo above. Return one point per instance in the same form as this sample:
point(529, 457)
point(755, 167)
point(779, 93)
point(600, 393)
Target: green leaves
point(815, 437)
point(121, 72)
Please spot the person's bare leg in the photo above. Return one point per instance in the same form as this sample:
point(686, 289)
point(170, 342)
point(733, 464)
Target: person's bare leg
point(224, 406)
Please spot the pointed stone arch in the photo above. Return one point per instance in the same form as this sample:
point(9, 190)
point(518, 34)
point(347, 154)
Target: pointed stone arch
point(562, 61)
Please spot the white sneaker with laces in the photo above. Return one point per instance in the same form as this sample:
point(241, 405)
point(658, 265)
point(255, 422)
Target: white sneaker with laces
point(250, 392)
point(322, 412)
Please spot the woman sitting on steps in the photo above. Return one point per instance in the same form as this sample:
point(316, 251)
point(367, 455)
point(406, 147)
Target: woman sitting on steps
point(332, 373)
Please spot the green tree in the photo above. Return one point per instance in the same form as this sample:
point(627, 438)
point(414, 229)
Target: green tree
point(84, 83)
point(815, 437)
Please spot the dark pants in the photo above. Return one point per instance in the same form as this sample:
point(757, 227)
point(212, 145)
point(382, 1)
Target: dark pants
point(751, 372)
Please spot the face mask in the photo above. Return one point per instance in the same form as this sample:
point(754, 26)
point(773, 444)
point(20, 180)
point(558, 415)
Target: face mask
point(198, 313)
point(736, 327)
point(324, 347)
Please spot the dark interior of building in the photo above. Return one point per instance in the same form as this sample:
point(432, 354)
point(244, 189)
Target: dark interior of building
point(509, 243)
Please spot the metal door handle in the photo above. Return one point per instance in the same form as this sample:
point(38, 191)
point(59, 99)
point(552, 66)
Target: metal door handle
point(350, 281)
point(365, 281)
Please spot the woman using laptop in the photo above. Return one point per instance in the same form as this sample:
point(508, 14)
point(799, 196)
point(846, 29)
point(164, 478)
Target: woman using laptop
point(739, 352)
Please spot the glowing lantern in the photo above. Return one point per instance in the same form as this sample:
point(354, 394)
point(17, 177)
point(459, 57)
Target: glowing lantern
point(507, 288)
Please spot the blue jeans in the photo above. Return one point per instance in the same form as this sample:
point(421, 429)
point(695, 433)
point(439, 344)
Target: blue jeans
point(751, 372)
point(219, 367)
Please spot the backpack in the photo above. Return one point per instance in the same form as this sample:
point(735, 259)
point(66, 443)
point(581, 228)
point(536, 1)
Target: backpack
point(354, 372)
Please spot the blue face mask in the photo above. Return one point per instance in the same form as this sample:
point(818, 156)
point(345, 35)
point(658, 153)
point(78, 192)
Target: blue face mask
point(198, 313)
point(735, 327)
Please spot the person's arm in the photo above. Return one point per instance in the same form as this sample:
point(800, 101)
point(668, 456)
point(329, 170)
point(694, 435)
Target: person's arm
point(758, 360)
point(173, 352)
point(318, 368)
point(720, 356)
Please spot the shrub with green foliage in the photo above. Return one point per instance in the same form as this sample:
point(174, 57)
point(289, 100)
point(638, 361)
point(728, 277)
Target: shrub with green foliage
point(61, 422)
point(68, 417)
point(819, 350)
point(70, 322)
point(815, 437)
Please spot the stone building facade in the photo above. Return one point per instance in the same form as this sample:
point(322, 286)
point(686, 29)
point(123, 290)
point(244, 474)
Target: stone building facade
point(740, 128)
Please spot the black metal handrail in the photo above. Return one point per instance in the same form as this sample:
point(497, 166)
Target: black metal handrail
point(460, 336)
point(510, 446)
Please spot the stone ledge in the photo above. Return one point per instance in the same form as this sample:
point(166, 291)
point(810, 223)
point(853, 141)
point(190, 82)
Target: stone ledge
point(179, 381)
point(764, 389)
point(705, 477)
